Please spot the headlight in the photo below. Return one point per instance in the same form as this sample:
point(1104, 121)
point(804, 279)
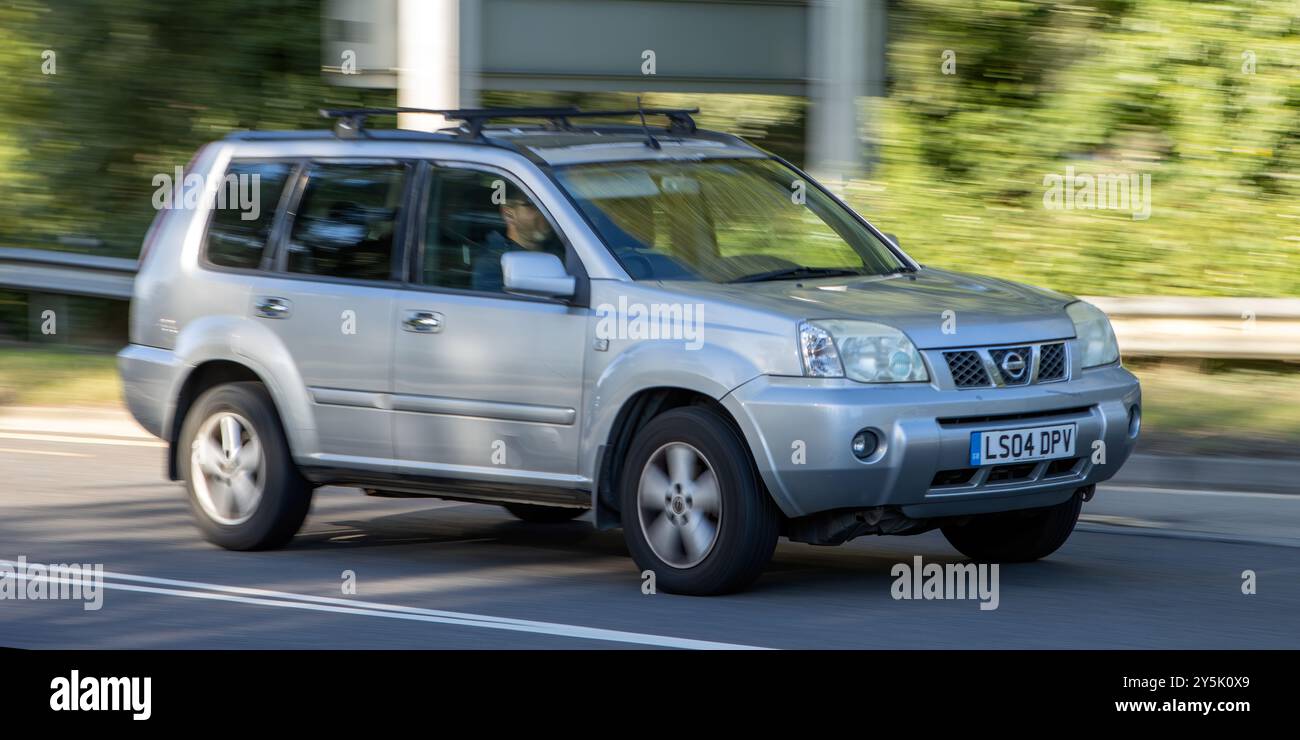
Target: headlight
point(1096, 339)
point(860, 350)
point(820, 358)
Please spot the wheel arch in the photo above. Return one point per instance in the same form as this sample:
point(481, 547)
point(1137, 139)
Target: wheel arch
point(633, 414)
point(202, 377)
point(229, 348)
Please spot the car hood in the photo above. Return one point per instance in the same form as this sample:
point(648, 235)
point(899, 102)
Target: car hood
point(984, 310)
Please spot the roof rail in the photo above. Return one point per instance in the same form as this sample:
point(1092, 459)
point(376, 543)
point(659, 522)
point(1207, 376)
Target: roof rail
point(351, 121)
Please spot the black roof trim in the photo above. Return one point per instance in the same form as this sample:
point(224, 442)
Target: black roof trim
point(630, 130)
point(476, 129)
point(292, 134)
point(351, 122)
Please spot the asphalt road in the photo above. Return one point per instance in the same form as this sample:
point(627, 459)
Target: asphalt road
point(1148, 569)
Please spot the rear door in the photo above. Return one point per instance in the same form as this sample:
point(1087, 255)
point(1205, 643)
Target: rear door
point(330, 299)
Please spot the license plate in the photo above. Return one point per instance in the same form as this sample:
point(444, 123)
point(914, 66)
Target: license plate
point(1022, 445)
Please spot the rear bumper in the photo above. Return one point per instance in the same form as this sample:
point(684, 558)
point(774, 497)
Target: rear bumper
point(799, 430)
point(149, 377)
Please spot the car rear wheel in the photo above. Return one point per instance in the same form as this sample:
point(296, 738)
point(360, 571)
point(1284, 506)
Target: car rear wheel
point(243, 487)
point(1015, 536)
point(694, 512)
point(544, 514)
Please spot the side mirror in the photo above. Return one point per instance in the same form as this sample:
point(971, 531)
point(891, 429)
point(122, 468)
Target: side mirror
point(537, 274)
point(892, 238)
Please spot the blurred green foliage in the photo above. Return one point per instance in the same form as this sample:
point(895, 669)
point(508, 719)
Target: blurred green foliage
point(1143, 86)
point(138, 86)
point(31, 375)
point(1162, 87)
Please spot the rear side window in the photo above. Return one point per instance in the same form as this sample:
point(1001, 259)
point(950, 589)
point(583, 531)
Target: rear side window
point(241, 220)
point(347, 221)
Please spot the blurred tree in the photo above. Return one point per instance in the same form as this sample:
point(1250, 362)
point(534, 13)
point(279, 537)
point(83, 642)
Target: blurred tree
point(138, 86)
point(1203, 97)
point(1200, 96)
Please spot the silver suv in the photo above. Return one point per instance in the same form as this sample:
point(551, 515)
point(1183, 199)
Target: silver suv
point(664, 325)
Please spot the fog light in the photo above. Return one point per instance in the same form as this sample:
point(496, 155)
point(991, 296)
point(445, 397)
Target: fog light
point(864, 444)
point(1134, 421)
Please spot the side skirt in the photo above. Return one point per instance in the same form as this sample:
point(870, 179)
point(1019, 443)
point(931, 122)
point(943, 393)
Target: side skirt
point(406, 486)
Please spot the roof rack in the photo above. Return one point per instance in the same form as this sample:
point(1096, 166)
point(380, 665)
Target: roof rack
point(352, 121)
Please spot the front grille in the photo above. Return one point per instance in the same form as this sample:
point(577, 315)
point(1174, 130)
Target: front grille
point(1051, 362)
point(967, 370)
point(1014, 364)
point(1063, 467)
point(1013, 472)
point(975, 480)
point(954, 477)
point(999, 418)
point(1007, 366)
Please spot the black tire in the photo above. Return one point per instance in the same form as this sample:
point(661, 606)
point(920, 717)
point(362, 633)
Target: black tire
point(286, 495)
point(544, 514)
point(1015, 536)
point(749, 522)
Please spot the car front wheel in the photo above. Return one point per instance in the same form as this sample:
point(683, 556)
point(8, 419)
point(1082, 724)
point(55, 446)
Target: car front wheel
point(694, 511)
point(244, 488)
point(1015, 536)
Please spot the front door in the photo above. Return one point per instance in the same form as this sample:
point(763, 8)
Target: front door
point(486, 385)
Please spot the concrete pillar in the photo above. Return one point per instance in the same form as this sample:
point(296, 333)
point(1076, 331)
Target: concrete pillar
point(471, 52)
point(838, 45)
point(428, 60)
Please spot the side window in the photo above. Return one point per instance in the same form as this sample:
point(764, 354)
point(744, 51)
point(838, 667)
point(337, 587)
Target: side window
point(244, 211)
point(474, 218)
point(346, 221)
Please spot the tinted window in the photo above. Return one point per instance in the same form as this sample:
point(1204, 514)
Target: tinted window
point(346, 221)
point(244, 211)
point(473, 219)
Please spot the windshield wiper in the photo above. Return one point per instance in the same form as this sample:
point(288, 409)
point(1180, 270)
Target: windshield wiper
point(787, 273)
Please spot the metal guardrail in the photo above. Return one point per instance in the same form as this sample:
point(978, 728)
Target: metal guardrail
point(1239, 328)
point(1230, 328)
point(66, 273)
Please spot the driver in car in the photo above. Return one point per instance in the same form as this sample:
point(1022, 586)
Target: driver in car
point(526, 228)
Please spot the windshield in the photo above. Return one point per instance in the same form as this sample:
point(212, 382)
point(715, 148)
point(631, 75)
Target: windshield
point(724, 220)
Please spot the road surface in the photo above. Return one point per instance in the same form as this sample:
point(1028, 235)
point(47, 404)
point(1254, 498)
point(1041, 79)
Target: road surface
point(1148, 568)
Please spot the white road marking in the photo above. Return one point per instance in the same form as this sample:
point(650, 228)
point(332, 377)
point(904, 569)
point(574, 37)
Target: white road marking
point(1175, 534)
point(43, 452)
point(1121, 521)
point(262, 597)
point(1195, 492)
point(83, 440)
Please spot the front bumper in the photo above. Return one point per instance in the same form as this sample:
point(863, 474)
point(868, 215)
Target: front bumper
point(799, 430)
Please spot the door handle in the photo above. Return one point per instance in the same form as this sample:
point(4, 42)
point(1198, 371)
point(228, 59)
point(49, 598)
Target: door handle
point(422, 322)
point(269, 307)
